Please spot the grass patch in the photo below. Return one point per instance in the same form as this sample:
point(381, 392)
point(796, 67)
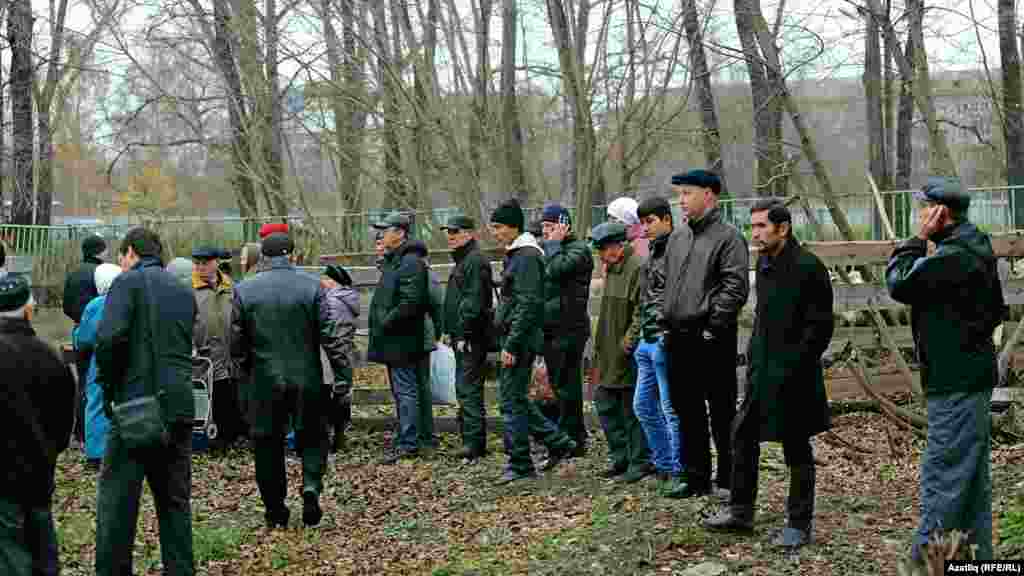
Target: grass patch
point(214, 543)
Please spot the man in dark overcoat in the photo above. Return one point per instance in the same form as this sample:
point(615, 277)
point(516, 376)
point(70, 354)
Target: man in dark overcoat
point(784, 400)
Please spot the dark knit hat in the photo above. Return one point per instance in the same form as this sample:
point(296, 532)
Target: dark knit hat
point(509, 213)
point(14, 293)
point(273, 228)
point(699, 178)
point(338, 274)
point(277, 244)
point(93, 245)
point(555, 213)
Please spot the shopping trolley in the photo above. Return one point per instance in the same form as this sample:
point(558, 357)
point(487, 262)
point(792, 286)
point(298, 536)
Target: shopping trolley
point(204, 429)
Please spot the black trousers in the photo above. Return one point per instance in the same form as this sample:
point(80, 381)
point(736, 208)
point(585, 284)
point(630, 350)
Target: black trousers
point(227, 413)
point(695, 391)
point(747, 453)
point(82, 360)
point(564, 360)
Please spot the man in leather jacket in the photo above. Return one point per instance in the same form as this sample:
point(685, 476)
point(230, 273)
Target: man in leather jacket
point(278, 323)
point(707, 283)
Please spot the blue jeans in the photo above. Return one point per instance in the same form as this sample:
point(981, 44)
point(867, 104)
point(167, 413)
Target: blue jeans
point(956, 482)
point(653, 407)
point(407, 405)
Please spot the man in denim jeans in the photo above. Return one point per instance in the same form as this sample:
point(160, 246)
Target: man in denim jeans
point(651, 403)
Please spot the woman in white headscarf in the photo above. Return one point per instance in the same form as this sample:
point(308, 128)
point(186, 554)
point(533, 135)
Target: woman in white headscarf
point(97, 425)
point(623, 210)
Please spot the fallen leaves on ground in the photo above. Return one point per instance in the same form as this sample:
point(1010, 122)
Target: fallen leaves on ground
point(442, 517)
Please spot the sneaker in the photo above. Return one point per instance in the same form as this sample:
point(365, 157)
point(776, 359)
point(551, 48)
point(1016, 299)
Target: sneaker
point(398, 455)
point(311, 512)
point(555, 457)
point(511, 476)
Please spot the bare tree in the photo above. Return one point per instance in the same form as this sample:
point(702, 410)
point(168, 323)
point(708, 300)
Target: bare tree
point(389, 85)
point(702, 83)
point(515, 179)
point(19, 35)
point(1013, 117)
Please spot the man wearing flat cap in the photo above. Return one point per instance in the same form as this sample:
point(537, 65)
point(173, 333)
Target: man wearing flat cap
point(468, 300)
point(707, 281)
point(212, 337)
point(39, 392)
point(568, 267)
point(79, 290)
point(398, 311)
point(615, 372)
point(278, 324)
point(956, 301)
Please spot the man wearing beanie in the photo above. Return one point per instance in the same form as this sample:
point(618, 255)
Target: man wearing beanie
point(706, 285)
point(278, 324)
point(79, 290)
point(398, 336)
point(518, 320)
point(568, 267)
point(38, 393)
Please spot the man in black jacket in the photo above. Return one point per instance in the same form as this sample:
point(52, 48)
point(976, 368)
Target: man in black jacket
point(468, 301)
point(144, 347)
point(518, 321)
point(398, 311)
point(38, 392)
point(785, 397)
point(277, 324)
point(79, 290)
point(568, 267)
point(707, 282)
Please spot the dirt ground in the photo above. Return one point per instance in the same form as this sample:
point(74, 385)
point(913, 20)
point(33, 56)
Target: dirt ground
point(439, 517)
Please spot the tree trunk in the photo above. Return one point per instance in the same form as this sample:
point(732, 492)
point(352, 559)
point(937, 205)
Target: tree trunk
point(765, 118)
point(273, 145)
point(224, 50)
point(905, 122)
point(515, 178)
point(1013, 124)
point(877, 165)
point(940, 160)
point(19, 31)
point(701, 76)
point(398, 193)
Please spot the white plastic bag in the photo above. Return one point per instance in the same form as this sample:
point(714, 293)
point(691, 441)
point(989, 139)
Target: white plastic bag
point(442, 375)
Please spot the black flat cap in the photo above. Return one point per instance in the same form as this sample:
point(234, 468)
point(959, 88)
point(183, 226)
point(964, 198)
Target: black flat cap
point(460, 222)
point(14, 293)
point(206, 253)
point(607, 233)
point(394, 220)
point(338, 274)
point(944, 190)
point(277, 244)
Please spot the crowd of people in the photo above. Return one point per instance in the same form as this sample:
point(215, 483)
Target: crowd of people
point(664, 362)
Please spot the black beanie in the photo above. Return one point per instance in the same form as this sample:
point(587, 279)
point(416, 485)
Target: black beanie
point(92, 246)
point(509, 213)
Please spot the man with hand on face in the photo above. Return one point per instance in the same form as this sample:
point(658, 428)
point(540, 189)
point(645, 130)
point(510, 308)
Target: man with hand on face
point(614, 371)
point(468, 300)
point(212, 336)
point(518, 320)
point(568, 266)
point(707, 282)
point(785, 397)
point(956, 301)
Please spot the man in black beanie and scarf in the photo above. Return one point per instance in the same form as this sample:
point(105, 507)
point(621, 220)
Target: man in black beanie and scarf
point(79, 290)
point(518, 321)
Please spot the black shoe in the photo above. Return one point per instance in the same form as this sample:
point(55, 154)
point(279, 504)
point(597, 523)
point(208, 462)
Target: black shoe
point(277, 518)
point(555, 457)
point(687, 490)
point(614, 470)
point(340, 444)
point(580, 451)
point(792, 538)
point(634, 475)
point(398, 455)
point(730, 519)
point(311, 512)
point(511, 476)
point(471, 454)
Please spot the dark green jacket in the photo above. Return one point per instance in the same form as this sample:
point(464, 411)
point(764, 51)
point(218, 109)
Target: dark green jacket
point(399, 306)
point(433, 324)
point(568, 268)
point(616, 324)
point(518, 317)
point(956, 301)
point(126, 340)
point(469, 295)
point(792, 329)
